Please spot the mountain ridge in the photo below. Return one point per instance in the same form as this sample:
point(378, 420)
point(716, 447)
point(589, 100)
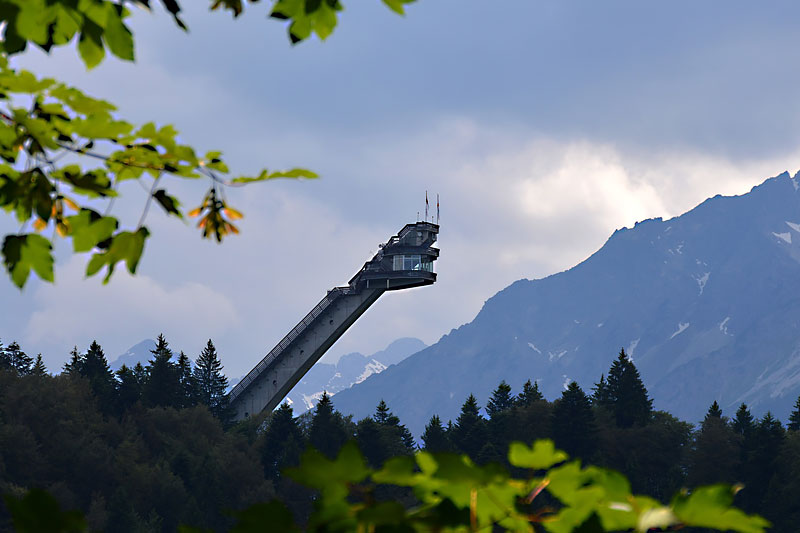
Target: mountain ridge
point(709, 290)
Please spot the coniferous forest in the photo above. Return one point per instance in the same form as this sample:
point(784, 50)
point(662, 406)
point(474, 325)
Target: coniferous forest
point(154, 447)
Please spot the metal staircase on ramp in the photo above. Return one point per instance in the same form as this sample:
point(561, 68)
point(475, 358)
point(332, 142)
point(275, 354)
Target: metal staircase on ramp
point(405, 261)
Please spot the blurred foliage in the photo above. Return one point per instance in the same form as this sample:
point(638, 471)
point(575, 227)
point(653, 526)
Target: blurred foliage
point(454, 494)
point(66, 153)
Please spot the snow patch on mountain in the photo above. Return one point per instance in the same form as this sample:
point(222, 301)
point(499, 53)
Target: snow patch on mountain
point(677, 250)
point(701, 281)
point(349, 370)
point(555, 356)
point(779, 380)
point(681, 328)
point(373, 367)
point(785, 236)
point(309, 400)
point(794, 226)
point(723, 326)
point(534, 348)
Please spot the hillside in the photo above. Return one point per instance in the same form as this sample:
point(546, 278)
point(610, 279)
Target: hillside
point(707, 304)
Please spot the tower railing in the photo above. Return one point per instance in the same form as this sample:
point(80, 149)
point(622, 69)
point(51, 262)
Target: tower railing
point(301, 326)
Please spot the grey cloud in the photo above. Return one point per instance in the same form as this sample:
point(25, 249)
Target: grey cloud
point(668, 103)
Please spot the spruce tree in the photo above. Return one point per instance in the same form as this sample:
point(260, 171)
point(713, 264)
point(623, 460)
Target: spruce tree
point(129, 389)
point(39, 368)
point(327, 432)
point(715, 456)
point(794, 418)
point(382, 412)
point(211, 383)
point(162, 387)
point(627, 395)
point(94, 367)
point(743, 424)
point(140, 372)
point(283, 442)
point(71, 367)
point(372, 442)
point(501, 400)
point(530, 393)
point(469, 432)
point(189, 391)
point(5, 364)
point(400, 430)
point(14, 359)
point(761, 461)
point(435, 437)
point(600, 393)
point(714, 411)
point(573, 423)
point(383, 436)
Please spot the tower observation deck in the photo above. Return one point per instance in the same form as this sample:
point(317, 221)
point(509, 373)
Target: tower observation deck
point(404, 261)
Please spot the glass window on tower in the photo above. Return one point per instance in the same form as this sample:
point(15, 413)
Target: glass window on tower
point(412, 262)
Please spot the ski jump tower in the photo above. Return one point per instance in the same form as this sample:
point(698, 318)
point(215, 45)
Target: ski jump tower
point(405, 261)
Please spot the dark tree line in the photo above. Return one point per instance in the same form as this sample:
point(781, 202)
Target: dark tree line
point(163, 382)
point(152, 446)
point(142, 449)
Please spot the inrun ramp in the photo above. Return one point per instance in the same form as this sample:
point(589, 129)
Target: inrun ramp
point(405, 261)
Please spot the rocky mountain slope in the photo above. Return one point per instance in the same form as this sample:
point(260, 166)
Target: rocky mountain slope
point(707, 304)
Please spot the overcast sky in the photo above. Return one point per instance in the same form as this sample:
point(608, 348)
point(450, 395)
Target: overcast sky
point(544, 126)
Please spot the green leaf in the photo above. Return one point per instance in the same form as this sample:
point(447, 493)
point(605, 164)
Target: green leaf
point(398, 5)
point(33, 20)
point(656, 519)
point(382, 513)
point(12, 42)
point(312, 5)
point(331, 477)
point(22, 81)
point(125, 246)
point(93, 183)
point(541, 456)
point(67, 24)
point(101, 126)
point(90, 44)
point(80, 102)
point(38, 511)
point(397, 471)
point(21, 253)
point(265, 175)
point(117, 36)
point(169, 203)
point(256, 517)
point(711, 507)
point(27, 193)
point(88, 229)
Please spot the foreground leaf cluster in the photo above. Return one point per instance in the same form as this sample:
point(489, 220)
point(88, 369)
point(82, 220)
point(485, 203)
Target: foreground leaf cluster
point(549, 493)
point(47, 132)
point(99, 25)
point(42, 121)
